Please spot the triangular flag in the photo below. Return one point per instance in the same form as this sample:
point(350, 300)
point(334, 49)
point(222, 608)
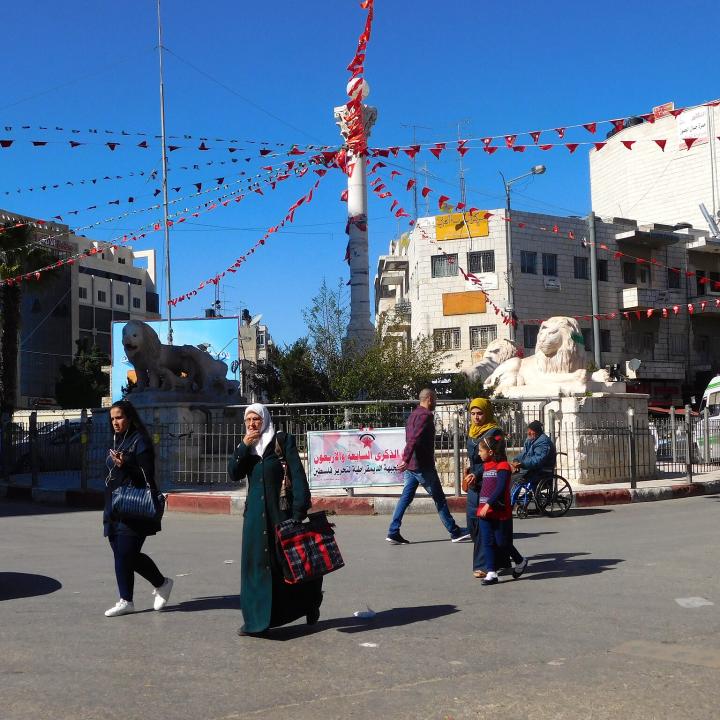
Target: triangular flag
point(661, 144)
point(561, 132)
point(689, 142)
point(535, 135)
point(628, 143)
point(572, 147)
point(590, 127)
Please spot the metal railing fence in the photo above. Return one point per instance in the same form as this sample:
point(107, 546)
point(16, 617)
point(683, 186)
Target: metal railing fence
point(196, 454)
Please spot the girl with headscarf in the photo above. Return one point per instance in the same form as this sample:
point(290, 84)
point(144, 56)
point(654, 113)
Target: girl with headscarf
point(266, 600)
point(482, 421)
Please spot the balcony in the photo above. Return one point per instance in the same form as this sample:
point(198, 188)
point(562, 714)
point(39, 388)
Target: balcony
point(403, 307)
point(704, 245)
point(655, 238)
point(638, 298)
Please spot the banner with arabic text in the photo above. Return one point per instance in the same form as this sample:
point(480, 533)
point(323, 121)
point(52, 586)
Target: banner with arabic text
point(355, 458)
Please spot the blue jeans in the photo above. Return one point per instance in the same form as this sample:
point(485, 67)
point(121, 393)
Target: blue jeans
point(429, 479)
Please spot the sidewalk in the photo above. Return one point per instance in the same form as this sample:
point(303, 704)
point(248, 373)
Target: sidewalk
point(62, 488)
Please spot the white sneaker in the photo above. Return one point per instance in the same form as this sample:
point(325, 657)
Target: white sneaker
point(122, 607)
point(162, 594)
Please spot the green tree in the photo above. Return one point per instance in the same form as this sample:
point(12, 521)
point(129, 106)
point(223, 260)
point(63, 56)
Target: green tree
point(326, 319)
point(18, 255)
point(290, 376)
point(83, 384)
point(389, 369)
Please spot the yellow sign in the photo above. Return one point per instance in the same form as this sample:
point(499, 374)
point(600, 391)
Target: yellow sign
point(463, 303)
point(457, 226)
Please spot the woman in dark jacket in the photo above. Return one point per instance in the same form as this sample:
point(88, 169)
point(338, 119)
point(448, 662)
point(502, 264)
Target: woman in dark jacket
point(266, 599)
point(131, 461)
point(482, 420)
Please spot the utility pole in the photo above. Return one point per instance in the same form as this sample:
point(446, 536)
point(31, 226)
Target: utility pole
point(594, 289)
point(414, 165)
point(463, 193)
point(164, 180)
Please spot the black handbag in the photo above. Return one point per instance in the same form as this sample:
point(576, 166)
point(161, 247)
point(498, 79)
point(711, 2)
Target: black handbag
point(131, 503)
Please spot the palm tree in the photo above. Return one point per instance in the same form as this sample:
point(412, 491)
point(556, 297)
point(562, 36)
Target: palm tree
point(18, 254)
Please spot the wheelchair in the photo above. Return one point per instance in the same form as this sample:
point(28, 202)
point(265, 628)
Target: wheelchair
point(551, 495)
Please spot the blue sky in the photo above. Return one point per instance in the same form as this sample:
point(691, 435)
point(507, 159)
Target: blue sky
point(500, 67)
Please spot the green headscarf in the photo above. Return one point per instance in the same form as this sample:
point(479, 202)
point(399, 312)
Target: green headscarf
point(488, 416)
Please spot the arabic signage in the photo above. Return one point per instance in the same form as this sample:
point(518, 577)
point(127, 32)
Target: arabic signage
point(458, 226)
point(693, 123)
point(355, 458)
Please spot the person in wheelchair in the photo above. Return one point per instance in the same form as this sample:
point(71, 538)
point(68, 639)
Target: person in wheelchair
point(537, 459)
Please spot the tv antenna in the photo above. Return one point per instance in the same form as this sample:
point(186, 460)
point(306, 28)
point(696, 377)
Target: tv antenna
point(414, 163)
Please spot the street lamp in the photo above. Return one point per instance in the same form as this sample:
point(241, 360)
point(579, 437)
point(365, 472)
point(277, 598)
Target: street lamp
point(534, 170)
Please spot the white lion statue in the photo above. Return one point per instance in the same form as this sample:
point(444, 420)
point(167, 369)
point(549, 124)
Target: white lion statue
point(172, 367)
point(496, 353)
point(557, 367)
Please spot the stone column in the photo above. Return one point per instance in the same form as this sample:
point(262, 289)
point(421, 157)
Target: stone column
point(360, 331)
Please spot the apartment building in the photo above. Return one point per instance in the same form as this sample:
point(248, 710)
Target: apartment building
point(76, 302)
point(420, 282)
point(631, 176)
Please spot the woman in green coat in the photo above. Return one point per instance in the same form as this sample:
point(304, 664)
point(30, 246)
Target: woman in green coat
point(266, 599)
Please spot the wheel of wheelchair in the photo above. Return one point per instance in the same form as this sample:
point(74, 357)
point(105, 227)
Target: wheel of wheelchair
point(522, 498)
point(554, 496)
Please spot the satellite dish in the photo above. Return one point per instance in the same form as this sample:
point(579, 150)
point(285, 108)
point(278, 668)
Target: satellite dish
point(256, 319)
point(634, 364)
point(234, 366)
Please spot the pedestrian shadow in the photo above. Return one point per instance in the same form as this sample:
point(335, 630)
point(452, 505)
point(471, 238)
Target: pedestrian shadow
point(548, 566)
point(527, 535)
point(579, 512)
point(14, 585)
point(211, 602)
point(394, 617)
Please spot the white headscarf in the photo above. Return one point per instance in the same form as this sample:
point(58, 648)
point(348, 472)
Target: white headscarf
point(267, 430)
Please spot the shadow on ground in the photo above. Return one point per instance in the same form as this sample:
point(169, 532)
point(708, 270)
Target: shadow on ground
point(14, 585)
point(548, 566)
point(394, 617)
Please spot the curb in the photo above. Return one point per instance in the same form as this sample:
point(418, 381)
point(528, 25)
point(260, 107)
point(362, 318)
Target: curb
point(384, 505)
point(206, 504)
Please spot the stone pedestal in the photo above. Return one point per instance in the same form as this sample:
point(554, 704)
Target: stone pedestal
point(595, 433)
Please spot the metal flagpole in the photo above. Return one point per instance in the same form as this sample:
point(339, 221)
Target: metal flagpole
point(164, 180)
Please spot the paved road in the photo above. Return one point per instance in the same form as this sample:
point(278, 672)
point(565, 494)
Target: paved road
point(593, 630)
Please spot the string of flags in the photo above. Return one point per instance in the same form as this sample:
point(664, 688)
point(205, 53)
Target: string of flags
point(295, 150)
point(289, 218)
point(144, 134)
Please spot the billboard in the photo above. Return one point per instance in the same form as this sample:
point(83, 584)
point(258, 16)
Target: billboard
point(218, 335)
point(458, 226)
point(355, 458)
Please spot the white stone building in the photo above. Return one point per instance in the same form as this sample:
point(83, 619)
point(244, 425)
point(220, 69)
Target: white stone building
point(651, 184)
point(551, 276)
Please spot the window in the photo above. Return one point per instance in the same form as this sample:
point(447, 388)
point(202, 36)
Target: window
point(481, 262)
point(261, 340)
point(121, 261)
point(119, 299)
point(581, 268)
point(481, 336)
point(444, 265)
point(673, 279)
point(136, 303)
point(447, 339)
point(527, 262)
point(678, 345)
point(587, 338)
point(714, 285)
point(629, 273)
point(102, 296)
point(530, 333)
point(82, 292)
point(602, 270)
point(549, 263)
point(605, 341)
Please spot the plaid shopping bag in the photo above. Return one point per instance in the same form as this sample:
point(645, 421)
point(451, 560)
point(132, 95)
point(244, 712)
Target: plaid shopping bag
point(309, 549)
